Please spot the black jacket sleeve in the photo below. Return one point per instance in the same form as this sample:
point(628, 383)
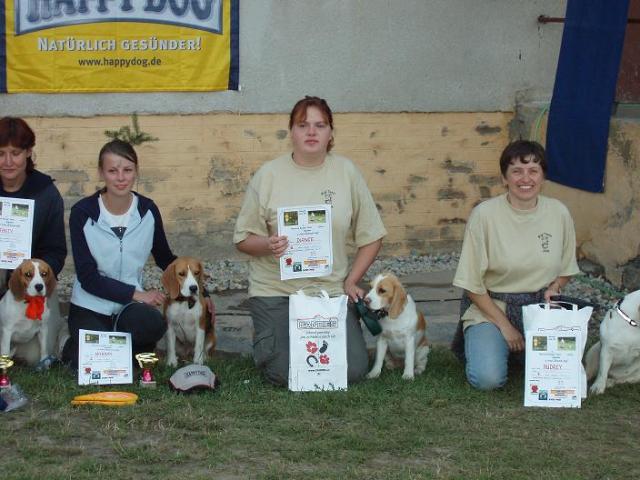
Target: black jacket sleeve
point(50, 243)
point(160, 250)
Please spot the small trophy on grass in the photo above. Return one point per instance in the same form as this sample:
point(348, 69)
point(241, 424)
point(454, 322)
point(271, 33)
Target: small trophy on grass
point(147, 361)
point(5, 364)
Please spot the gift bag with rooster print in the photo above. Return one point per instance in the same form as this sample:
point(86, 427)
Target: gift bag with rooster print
point(317, 342)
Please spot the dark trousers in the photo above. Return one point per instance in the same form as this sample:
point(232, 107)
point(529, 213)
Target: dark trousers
point(270, 317)
point(145, 324)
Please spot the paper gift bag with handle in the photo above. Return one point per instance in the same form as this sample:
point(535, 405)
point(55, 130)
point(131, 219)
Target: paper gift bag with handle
point(543, 317)
point(317, 342)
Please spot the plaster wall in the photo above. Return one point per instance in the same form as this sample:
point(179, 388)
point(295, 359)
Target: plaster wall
point(363, 56)
point(607, 224)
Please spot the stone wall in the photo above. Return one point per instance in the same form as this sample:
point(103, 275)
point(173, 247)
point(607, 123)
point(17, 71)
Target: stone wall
point(426, 171)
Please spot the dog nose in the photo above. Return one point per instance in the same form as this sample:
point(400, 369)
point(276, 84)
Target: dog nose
point(193, 288)
point(39, 287)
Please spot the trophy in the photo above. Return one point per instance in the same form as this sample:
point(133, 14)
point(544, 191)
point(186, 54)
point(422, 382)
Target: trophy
point(5, 364)
point(147, 361)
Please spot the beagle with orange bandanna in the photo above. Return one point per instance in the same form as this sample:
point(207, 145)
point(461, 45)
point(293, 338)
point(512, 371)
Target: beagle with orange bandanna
point(24, 309)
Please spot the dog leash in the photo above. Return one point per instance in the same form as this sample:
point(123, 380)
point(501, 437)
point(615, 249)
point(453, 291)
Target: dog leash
point(626, 317)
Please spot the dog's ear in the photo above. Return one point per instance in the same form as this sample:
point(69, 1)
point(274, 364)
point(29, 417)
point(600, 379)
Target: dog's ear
point(170, 281)
point(49, 278)
point(399, 299)
point(200, 273)
point(16, 283)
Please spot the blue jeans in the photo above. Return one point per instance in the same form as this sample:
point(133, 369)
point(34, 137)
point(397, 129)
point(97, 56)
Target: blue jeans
point(487, 355)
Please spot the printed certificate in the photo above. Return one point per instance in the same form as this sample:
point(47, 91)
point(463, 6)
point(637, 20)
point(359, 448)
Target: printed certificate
point(310, 252)
point(553, 368)
point(104, 358)
point(16, 227)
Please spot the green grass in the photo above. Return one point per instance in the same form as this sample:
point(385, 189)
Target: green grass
point(434, 427)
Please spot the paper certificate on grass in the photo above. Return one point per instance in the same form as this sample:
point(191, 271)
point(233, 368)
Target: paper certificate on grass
point(310, 252)
point(553, 368)
point(104, 358)
point(16, 227)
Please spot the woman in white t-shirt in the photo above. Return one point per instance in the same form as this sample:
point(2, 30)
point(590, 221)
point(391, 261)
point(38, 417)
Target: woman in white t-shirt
point(518, 248)
point(310, 175)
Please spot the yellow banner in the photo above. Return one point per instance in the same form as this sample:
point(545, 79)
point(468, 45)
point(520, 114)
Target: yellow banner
point(55, 46)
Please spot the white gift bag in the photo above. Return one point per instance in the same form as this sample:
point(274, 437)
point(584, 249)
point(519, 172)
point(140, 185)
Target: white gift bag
point(317, 342)
point(555, 322)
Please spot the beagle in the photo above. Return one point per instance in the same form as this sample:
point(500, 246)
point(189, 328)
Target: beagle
point(189, 326)
point(24, 309)
point(403, 334)
point(616, 357)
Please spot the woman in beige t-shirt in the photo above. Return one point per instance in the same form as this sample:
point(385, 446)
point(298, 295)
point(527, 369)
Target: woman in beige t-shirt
point(518, 248)
point(310, 175)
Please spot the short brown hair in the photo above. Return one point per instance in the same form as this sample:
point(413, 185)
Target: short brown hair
point(16, 132)
point(118, 147)
point(299, 113)
point(521, 150)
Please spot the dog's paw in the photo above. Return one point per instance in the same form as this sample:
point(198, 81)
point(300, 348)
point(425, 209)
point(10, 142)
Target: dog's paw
point(172, 362)
point(373, 374)
point(46, 363)
point(597, 388)
point(407, 376)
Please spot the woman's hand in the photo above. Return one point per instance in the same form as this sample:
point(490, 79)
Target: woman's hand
point(551, 291)
point(278, 245)
point(513, 337)
point(261, 245)
point(151, 297)
point(364, 258)
point(353, 291)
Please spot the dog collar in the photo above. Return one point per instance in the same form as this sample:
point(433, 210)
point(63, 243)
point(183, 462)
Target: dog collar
point(190, 301)
point(626, 317)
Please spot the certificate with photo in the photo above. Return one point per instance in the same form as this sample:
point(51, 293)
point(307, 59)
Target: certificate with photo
point(310, 251)
point(16, 228)
point(553, 368)
point(104, 358)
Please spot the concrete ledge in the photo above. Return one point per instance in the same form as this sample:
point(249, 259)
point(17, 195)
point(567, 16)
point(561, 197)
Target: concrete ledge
point(432, 291)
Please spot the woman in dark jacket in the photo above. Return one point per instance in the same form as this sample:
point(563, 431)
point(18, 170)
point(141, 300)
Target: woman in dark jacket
point(20, 179)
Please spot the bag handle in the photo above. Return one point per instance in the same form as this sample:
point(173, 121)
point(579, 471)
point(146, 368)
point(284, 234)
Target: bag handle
point(322, 293)
point(555, 305)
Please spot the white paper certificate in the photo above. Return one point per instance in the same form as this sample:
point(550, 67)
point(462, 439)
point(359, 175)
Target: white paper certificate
point(310, 252)
point(553, 368)
point(104, 358)
point(16, 227)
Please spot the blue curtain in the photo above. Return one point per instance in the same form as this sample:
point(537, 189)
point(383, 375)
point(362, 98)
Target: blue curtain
point(583, 94)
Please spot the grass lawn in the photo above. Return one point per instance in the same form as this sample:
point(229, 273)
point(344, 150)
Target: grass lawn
point(433, 427)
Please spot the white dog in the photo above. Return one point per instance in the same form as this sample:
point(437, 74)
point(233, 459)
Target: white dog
point(403, 336)
point(616, 357)
point(24, 309)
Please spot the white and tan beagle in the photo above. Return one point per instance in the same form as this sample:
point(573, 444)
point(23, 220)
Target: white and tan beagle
point(403, 337)
point(24, 309)
point(190, 329)
point(616, 357)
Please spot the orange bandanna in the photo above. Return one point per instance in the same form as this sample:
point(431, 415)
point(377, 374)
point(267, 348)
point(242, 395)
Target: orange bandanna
point(35, 307)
